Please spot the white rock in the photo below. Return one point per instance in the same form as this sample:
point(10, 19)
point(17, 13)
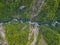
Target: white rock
point(21, 21)
point(15, 19)
point(1, 23)
point(9, 22)
point(22, 7)
point(46, 24)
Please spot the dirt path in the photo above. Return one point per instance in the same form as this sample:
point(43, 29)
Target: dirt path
point(23, 27)
point(36, 8)
point(2, 35)
point(33, 31)
point(42, 41)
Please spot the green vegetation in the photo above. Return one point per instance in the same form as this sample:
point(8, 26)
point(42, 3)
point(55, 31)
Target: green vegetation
point(57, 28)
point(15, 34)
point(39, 37)
point(10, 8)
point(48, 12)
point(51, 37)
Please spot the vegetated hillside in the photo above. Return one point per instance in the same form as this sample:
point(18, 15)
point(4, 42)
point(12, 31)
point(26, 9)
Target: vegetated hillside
point(50, 36)
point(17, 33)
point(11, 9)
point(49, 12)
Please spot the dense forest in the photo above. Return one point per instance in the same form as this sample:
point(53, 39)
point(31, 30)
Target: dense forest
point(16, 16)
